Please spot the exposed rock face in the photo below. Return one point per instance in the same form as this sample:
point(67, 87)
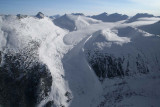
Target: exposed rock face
point(152, 28)
point(139, 15)
point(108, 66)
point(25, 81)
point(110, 17)
point(20, 16)
point(0, 57)
point(78, 14)
point(109, 59)
point(50, 104)
point(40, 15)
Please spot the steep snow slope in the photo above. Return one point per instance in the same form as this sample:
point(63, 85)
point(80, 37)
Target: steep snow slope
point(131, 59)
point(74, 22)
point(83, 82)
point(96, 64)
point(126, 57)
point(128, 44)
point(152, 28)
point(16, 34)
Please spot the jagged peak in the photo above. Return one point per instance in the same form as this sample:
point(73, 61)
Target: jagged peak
point(143, 15)
point(78, 14)
point(104, 13)
point(21, 16)
point(40, 15)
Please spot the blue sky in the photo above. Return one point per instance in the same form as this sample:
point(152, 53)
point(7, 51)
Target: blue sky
point(51, 7)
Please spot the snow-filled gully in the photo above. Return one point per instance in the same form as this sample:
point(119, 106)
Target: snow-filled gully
point(51, 53)
point(70, 70)
point(55, 57)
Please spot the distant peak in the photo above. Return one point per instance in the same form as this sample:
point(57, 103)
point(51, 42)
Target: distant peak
point(110, 17)
point(20, 16)
point(65, 15)
point(115, 13)
point(144, 14)
point(104, 13)
point(40, 15)
point(79, 14)
point(137, 16)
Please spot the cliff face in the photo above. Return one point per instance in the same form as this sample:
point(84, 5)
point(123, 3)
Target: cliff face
point(128, 71)
point(116, 57)
point(108, 66)
point(25, 81)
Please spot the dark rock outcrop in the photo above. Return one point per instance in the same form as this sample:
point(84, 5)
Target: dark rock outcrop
point(110, 17)
point(108, 66)
point(78, 14)
point(24, 80)
point(40, 15)
point(49, 104)
point(20, 16)
point(139, 15)
point(152, 28)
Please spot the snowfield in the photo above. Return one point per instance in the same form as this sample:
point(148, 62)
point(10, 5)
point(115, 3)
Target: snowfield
point(92, 63)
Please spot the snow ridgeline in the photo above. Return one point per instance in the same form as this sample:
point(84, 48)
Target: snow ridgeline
point(74, 82)
point(74, 22)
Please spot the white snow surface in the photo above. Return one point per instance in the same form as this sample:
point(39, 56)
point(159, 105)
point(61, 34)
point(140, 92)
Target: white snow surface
point(64, 54)
point(74, 22)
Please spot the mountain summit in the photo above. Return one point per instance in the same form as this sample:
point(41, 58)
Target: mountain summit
point(137, 16)
point(40, 15)
point(110, 17)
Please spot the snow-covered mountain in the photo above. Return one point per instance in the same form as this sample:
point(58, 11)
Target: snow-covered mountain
point(79, 14)
point(76, 61)
point(110, 17)
point(139, 15)
point(40, 15)
point(73, 22)
point(152, 28)
point(55, 16)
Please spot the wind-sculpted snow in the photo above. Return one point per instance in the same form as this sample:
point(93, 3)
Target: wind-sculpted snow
point(94, 64)
point(104, 37)
point(74, 22)
point(125, 54)
point(107, 47)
